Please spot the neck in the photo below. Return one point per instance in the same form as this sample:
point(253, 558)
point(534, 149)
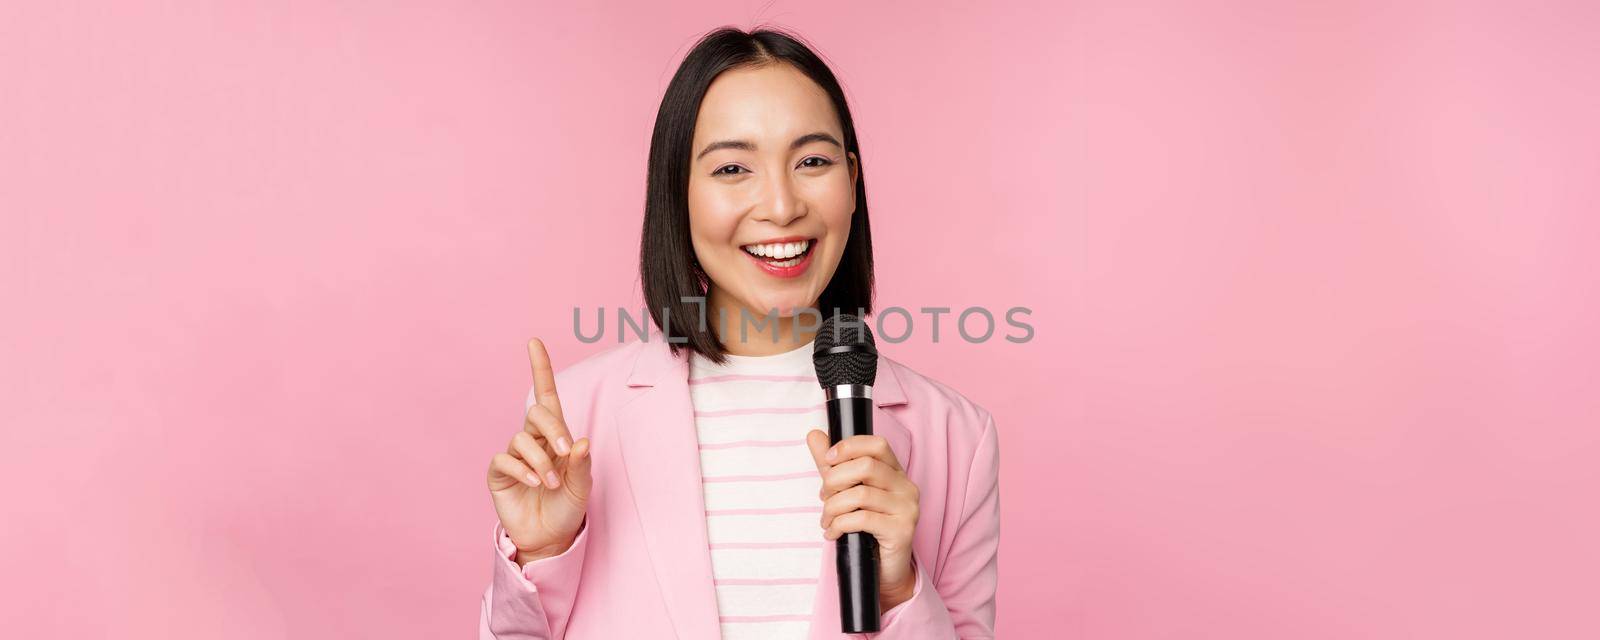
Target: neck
point(762, 334)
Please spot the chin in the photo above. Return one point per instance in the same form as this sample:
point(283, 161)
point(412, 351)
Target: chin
point(786, 306)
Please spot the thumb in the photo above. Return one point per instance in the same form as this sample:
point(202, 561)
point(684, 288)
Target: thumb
point(817, 442)
point(577, 478)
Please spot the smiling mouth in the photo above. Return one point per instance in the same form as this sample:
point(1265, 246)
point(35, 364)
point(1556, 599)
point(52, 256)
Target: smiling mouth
point(781, 254)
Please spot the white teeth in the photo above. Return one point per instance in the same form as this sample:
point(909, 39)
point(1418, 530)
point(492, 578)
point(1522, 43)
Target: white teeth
point(779, 251)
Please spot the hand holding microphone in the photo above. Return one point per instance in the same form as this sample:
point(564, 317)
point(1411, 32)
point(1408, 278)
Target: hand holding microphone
point(865, 489)
point(870, 506)
point(540, 484)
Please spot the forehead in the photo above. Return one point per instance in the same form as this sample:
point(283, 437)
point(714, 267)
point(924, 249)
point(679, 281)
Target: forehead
point(771, 103)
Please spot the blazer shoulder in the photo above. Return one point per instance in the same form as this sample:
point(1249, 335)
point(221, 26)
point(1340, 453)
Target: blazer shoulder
point(925, 394)
point(584, 381)
point(607, 365)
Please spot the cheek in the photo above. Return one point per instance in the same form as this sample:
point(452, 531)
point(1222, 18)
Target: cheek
point(713, 218)
point(838, 210)
point(837, 203)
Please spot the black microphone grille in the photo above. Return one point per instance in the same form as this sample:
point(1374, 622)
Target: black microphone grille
point(845, 352)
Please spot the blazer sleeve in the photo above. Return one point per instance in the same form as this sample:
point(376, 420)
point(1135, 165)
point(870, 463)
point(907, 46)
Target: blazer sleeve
point(533, 601)
point(958, 602)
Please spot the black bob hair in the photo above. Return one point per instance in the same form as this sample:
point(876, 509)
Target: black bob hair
point(668, 269)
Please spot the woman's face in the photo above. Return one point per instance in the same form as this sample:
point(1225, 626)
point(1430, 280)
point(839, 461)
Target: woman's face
point(771, 190)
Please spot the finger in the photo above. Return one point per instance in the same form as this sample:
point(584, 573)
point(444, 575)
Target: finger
point(817, 441)
point(541, 422)
point(877, 524)
point(862, 446)
point(523, 446)
point(544, 378)
point(861, 497)
point(868, 471)
point(505, 470)
point(577, 478)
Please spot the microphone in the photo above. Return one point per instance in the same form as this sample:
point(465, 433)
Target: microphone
point(847, 366)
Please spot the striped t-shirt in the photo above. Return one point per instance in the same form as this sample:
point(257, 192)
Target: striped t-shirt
point(761, 486)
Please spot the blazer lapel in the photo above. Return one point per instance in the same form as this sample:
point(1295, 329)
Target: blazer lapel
point(662, 459)
point(887, 392)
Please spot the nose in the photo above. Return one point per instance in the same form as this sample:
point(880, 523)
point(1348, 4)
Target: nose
point(780, 204)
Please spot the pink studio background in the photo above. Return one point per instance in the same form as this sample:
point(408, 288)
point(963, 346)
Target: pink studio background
point(1314, 289)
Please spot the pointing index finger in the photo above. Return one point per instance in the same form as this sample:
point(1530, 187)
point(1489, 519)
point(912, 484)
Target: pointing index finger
point(544, 379)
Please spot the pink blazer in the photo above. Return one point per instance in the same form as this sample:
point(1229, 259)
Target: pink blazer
point(641, 567)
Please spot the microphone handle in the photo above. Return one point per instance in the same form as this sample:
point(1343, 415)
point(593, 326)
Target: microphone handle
point(856, 552)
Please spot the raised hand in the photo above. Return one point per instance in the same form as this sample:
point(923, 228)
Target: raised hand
point(540, 483)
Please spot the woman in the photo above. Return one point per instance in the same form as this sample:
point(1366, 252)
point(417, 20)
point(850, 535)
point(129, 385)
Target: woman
point(687, 489)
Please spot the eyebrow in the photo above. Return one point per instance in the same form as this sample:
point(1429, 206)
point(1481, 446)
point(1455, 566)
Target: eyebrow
point(749, 146)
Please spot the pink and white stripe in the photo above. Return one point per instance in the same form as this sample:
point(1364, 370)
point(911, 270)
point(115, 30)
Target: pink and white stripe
point(762, 509)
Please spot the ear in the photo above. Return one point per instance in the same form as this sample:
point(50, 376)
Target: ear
point(855, 169)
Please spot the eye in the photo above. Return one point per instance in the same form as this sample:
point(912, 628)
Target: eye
point(822, 162)
point(720, 170)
